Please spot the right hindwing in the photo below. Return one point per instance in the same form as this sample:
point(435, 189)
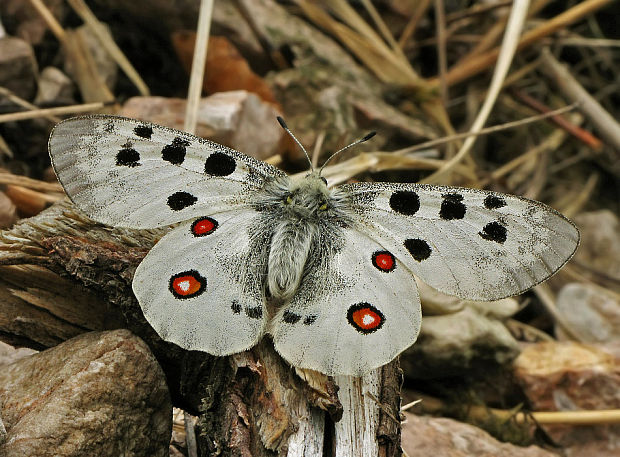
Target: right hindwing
point(201, 286)
point(130, 173)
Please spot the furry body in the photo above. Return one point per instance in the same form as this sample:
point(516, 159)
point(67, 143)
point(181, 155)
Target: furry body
point(302, 209)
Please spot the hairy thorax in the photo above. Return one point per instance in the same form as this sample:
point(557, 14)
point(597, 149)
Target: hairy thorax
point(299, 209)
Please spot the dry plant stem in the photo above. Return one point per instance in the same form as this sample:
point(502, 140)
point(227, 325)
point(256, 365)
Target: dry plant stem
point(433, 405)
point(88, 78)
point(24, 103)
point(508, 49)
point(583, 135)
point(109, 45)
point(495, 32)
point(545, 296)
point(420, 8)
point(604, 122)
point(385, 31)
point(34, 184)
point(549, 144)
point(198, 65)
point(190, 435)
point(60, 110)
point(49, 19)
point(485, 131)
point(440, 21)
point(477, 9)
point(480, 63)
point(577, 203)
point(5, 148)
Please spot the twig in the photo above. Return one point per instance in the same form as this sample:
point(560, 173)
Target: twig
point(604, 122)
point(60, 110)
point(190, 435)
point(440, 22)
point(34, 184)
point(50, 20)
point(481, 62)
point(108, 44)
point(420, 8)
point(198, 65)
point(24, 103)
point(485, 131)
point(508, 49)
point(583, 135)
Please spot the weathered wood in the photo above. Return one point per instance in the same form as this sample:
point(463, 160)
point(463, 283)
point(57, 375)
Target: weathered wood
point(61, 274)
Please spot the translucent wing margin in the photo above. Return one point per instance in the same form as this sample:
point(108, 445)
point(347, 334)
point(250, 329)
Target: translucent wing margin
point(355, 310)
point(201, 285)
point(130, 173)
point(470, 243)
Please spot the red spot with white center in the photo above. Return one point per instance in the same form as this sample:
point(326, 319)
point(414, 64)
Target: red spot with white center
point(204, 226)
point(187, 284)
point(384, 261)
point(365, 318)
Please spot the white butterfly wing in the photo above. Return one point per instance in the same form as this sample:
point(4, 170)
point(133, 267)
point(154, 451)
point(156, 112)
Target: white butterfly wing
point(356, 310)
point(201, 286)
point(470, 243)
point(131, 173)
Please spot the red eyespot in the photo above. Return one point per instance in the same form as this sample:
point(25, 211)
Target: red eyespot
point(187, 284)
point(384, 261)
point(365, 318)
point(204, 226)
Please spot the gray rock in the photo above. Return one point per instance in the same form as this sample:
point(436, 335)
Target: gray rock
point(98, 394)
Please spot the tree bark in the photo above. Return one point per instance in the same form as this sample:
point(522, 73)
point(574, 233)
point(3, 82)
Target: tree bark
point(62, 274)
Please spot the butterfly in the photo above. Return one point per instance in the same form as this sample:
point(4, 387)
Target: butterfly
point(327, 272)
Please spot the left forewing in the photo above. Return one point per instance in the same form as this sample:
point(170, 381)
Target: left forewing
point(470, 243)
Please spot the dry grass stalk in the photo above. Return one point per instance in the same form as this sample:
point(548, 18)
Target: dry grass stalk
point(60, 110)
point(24, 103)
point(108, 43)
point(198, 65)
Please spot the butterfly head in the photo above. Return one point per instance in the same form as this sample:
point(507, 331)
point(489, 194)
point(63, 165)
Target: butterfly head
point(308, 196)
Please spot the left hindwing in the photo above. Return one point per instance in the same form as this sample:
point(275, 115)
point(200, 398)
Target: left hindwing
point(356, 310)
point(201, 286)
point(470, 243)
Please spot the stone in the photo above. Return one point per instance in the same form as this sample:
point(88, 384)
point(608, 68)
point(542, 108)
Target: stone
point(466, 340)
point(591, 311)
point(101, 393)
point(600, 242)
point(570, 376)
point(423, 436)
point(18, 69)
point(9, 354)
point(54, 88)
point(238, 119)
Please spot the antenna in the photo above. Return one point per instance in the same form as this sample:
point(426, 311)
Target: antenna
point(285, 127)
point(361, 140)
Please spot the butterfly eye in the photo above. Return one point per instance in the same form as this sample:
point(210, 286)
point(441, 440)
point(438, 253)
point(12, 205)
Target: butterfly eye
point(323, 207)
point(289, 199)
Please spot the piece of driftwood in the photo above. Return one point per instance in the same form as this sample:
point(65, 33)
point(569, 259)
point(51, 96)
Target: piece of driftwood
point(62, 274)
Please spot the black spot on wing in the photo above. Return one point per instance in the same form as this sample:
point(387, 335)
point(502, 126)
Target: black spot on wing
point(494, 202)
point(181, 200)
point(494, 231)
point(175, 151)
point(128, 157)
point(254, 313)
point(143, 131)
point(452, 207)
point(290, 318)
point(419, 249)
point(405, 202)
point(309, 320)
point(236, 307)
point(220, 164)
